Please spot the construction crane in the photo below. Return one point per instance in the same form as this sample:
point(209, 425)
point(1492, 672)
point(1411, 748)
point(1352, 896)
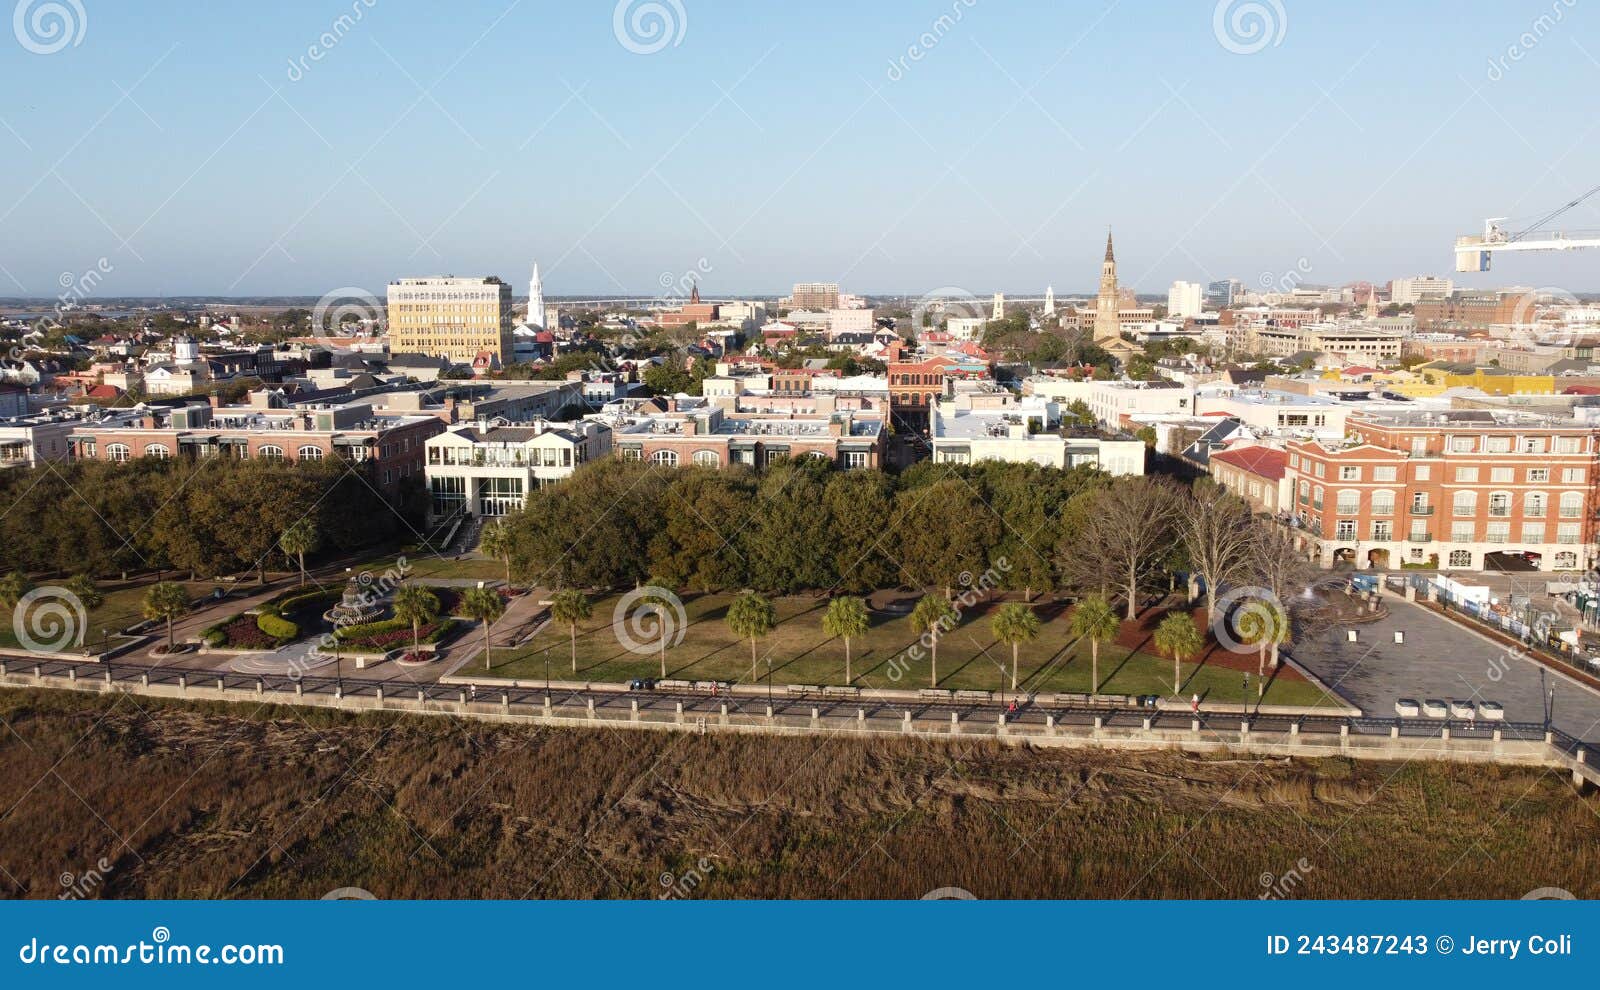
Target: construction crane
point(1474, 252)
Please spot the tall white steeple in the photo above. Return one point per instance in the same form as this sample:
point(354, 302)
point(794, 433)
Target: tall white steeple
point(1049, 300)
point(535, 299)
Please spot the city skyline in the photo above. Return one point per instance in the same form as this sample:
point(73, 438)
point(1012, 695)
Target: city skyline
point(945, 145)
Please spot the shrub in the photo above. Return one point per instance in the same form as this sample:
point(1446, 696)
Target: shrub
point(242, 633)
point(389, 639)
point(369, 629)
point(276, 627)
point(214, 637)
point(301, 597)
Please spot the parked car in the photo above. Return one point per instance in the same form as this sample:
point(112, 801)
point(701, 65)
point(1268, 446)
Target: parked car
point(642, 684)
point(1407, 708)
point(1434, 708)
point(1491, 711)
point(1462, 709)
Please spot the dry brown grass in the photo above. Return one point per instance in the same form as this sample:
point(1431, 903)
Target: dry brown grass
point(188, 801)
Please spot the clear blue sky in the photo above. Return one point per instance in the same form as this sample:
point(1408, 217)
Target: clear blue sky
point(475, 136)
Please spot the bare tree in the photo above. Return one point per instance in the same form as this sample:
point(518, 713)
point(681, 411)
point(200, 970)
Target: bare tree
point(1217, 533)
point(1280, 568)
point(1128, 540)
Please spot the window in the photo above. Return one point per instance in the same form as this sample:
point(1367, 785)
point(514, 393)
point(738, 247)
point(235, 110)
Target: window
point(1466, 504)
point(1349, 473)
point(1502, 475)
point(311, 452)
point(1538, 476)
point(665, 458)
point(1423, 472)
point(1569, 445)
point(1571, 505)
point(1388, 473)
point(1533, 504)
point(118, 452)
point(706, 458)
point(1345, 529)
point(1572, 476)
point(632, 453)
point(1499, 445)
point(1498, 532)
point(1567, 533)
point(1316, 497)
point(1383, 531)
point(272, 451)
point(1566, 560)
point(856, 459)
point(1383, 503)
point(1460, 558)
point(1461, 445)
point(1532, 445)
point(1463, 533)
point(1349, 502)
point(1533, 532)
point(1500, 504)
point(157, 450)
point(1466, 475)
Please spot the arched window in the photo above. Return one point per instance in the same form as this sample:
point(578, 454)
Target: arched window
point(157, 450)
point(271, 450)
point(1499, 504)
point(1571, 505)
point(1466, 503)
point(1383, 503)
point(665, 458)
point(707, 458)
point(117, 452)
point(1566, 560)
point(310, 452)
point(1533, 503)
point(1348, 501)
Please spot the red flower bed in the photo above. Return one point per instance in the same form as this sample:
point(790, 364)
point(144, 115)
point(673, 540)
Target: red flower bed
point(390, 640)
point(244, 634)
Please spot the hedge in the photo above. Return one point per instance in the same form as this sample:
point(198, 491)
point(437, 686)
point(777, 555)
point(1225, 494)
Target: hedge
point(366, 629)
point(304, 596)
point(276, 627)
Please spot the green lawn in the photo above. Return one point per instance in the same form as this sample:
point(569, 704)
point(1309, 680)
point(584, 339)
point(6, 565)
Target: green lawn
point(123, 607)
point(969, 657)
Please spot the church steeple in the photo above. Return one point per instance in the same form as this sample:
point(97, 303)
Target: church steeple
point(694, 295)
point(1110, 255)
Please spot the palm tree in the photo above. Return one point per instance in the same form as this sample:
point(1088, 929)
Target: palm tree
point(931, 616)
point(166, 601)
point(1013, 625)
point(498, 543)
point(846, 618)
point(1095, 620)
point(571, 607)
point(751, 617)
point(1178, 636)
point(12, 587)
point(417, 605)
point(662, 603)
point(300, 539)
point(1265, 625)
point(88, 594)
point(484, 604)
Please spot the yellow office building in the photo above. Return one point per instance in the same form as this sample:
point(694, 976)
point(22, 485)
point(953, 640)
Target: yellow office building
point(456, 318)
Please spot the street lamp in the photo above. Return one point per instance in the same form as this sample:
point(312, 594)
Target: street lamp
point(769, 684)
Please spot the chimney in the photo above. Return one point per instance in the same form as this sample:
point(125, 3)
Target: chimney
point(214, 399)
point(691, 427)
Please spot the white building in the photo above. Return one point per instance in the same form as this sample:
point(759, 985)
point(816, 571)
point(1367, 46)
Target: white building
point(1024, 433)
point(488, 470)
point(1271, 412)
point(1185, 299)
point(1404, 291)
point(1113, 402)
point(965, 327)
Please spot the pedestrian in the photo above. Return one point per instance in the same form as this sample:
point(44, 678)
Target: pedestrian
point(1194, 704)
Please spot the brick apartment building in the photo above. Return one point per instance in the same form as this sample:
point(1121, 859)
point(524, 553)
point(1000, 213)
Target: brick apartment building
point(1449, 488)
point(1475, 310)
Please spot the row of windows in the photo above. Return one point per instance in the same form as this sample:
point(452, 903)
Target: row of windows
point(1423, 472)
point(121, 452)
point(710, 458)
point(1348, 501)
point(1495, 533)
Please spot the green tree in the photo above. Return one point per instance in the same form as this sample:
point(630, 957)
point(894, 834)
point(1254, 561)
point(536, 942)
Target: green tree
point(570, 607)
point(846, 618)
point(498, 542)
point(660, 600)
point(300, 539)
point(933, 616)
point(485, 605)
point(1094, 619)
point(1013, 625)
point(751, 617)
point(1177, 636)
point(86, 591)
point(166, 601)
point(12, 587)
point(417, 605)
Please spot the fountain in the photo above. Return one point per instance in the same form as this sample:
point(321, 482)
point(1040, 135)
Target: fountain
point(355, 607)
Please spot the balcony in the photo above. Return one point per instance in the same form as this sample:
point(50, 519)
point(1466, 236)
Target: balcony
point(1420, 536)
point(1422, 510)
